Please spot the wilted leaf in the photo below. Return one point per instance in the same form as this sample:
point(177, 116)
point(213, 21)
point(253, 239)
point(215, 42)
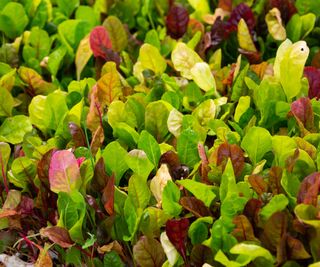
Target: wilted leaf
point(99, 41)
point(275, 27)
point(58, 235)
point(148, 252)
point(177, 21)
point(83, 55)
point(64, 172)
point(177, 231)
point(117, 33)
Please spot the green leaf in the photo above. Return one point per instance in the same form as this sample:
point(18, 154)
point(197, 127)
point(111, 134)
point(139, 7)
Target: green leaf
point(14, 128)
point(184, 59)
point(187, 147)
point(251, 252)
point(228, 182)
point(170, 199)
point(149, 145)
point(222, 258)
point(72, 210)
point(198, 230)
point(277, 203)
point(306, 6)
point(150, 58)
point(152, 221)
point(139, 163)
point(203, 77)
point(117, 33)
point(13, 20)
point(5, 152)
point(256, 143)
point(23, 170)
point(55, 59)
point(87, 13)
point(156, 117)
point(67, 7)
point(201, 191)
point(6, 102)
point(113, 156)
point(205, 112)
point(201, 8)
point(112, 259)
point(126, 134)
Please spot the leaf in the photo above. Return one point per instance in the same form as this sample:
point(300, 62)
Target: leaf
point(303, 113)
point(243, 230)
point(309, 189)
point(148, 252)
point(296, 248)
point(169, 249)
point(138, 162)
point(149, 145)
point(156, 116)
point(57, 235)
point(198, 231)
point(201, 255)
point(312, 75)
point(195, 206)
point(68, 7)
point(112, 259)
point(252, 252)
point(222, 258)
point(275, 26)
point(228, 182)
point(233, 152)
point(277, 203)
point(244, 37)
point(150, 58)
point(13, 19)
point(13, 129)
point(44, 258)
point(256, 143)
point(159, 182)
point(199, 190)
point(187, 147)
point(240, 11)
point(286, 7)
point(258, 184)
point(5, 152)
point(184, 59)
point(177, 21)
point(108, 196)
point(83, 55)
point(177, 231)
point(117, 33)
point(170, 199)
point(6, 102)
point(113, 156)
point(64, 172)
point(202, 76)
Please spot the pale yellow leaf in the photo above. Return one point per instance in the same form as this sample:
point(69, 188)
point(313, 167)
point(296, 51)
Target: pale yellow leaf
point(274, 23)
point(244, 37)
point(83, 55)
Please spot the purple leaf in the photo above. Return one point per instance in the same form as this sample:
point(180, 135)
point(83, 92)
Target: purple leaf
point(177, 21)
point(303, 113)
point(313, 76)
point(64, 172)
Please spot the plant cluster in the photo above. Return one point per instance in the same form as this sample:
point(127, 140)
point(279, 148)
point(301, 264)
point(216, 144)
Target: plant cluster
point(160, 133)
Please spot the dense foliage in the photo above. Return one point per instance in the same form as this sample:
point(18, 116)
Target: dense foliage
point(160, 133)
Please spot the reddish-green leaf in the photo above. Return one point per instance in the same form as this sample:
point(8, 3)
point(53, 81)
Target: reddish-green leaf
point(309, 189)
point(243, 230)
point(64, 172)
point(100, 41)
point(258, 184)
point(58, 235)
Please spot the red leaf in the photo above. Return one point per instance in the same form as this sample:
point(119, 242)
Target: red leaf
point(78, 137)
point(218, 32)
point(58, 235)
point(97, 140)
point(296, 249)
point(177, 21)
point(195, 206)
point(100, 41)
point(309, 189)
point(313, 76)
point(258, 184)
point(241, 11)
point(275, 175)
point(235, 153)
point(303, 113)
point(286, 8)
point(251, 210)
point(243, 230)
point(108, 195)
point(177, 231)
point(177, 170)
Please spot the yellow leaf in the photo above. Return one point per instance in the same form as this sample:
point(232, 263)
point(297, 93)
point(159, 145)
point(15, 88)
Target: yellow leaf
point(109, 87)
point(151, 59)
point(202, 76)
point(44, 259)
point(183, 59)
point(274, 23)
point(159, 182)
point(7, 81)
point(83, 55)
point(244, 37)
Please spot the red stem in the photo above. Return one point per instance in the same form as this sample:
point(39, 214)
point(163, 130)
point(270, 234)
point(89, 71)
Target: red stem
point(99, 113)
